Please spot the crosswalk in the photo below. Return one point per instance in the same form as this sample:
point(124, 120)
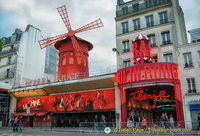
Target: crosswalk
point(16, 134)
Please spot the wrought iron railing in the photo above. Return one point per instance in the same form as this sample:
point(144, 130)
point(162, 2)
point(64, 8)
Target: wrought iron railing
point(140, 7)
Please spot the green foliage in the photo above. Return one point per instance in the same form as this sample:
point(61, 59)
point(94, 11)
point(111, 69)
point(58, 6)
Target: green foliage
point(1, 43)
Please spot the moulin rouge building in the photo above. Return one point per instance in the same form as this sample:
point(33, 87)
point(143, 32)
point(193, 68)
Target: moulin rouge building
point(145, 89)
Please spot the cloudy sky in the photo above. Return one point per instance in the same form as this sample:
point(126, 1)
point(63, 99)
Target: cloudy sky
point(43, 15)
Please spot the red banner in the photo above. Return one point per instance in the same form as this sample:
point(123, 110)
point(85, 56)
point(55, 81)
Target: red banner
point(83, 101)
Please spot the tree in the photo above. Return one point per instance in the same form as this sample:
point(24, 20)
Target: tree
point(1, 43)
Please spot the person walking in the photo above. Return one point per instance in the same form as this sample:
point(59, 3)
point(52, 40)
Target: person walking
point(162, 120)
point(19, 124)
point(144, 122)
point(15, 123)
point(96, 122)
point(103, 122)
point(9, 122)
point(171, 121)
point(166, 121)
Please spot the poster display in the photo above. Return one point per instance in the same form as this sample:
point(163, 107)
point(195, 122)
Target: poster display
point(83, 101)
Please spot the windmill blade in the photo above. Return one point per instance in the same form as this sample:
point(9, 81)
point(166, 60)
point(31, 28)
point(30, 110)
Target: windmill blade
point(48, 41)
point(78, 52)
point(63, 13)
point(93, 25)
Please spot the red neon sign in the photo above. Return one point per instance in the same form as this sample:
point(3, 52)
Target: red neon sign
point(140, 95)
point(153, 71)
point(141, 50)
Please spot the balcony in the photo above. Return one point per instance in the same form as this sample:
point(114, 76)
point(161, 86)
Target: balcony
point(8, 51)
point(149, 24)
point(188, 65)
point(137, 27)
point(166, 42)
point(126, 50)
point(140, 7)
point(164, 21)
point(125, 30)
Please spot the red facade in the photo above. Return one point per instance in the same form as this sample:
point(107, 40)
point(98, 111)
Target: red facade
point(83, 101)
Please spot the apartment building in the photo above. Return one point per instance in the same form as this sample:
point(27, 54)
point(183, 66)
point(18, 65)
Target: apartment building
point(162, 21)
point(23, 60)
point(189, 68)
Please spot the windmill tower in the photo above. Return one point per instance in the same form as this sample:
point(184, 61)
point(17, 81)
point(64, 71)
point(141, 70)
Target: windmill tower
point(73, 51)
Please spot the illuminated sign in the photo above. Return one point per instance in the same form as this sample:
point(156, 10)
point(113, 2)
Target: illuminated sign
point(146, 72)
point(140, 95)
point(38, 81)
point(45, 80)
point(67, 77)
point(29, 93)
point(141, 50)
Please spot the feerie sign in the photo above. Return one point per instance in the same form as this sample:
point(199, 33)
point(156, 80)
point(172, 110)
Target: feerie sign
point(145, 72)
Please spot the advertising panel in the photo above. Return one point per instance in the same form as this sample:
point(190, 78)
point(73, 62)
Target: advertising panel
point(83, 101)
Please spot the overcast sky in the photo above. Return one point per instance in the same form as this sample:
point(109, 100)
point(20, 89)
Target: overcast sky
point(43, 15)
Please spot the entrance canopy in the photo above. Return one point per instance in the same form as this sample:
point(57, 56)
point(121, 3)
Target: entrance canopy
point(90, 83)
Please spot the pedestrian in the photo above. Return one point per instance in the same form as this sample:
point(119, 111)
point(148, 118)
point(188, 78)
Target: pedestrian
point(19, 124)
point(15, 123)
point(171, 120)
point(162, 120)
point(166, 121)
point(103, 122)
point(10, 122)
point(130, 122)
point(140, 121)
point(136, 120)
point(199, 120)
point(144, 122)
point(96, 122)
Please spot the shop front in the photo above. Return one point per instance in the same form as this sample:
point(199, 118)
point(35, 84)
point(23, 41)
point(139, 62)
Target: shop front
point(149, 89)
point(66, 108)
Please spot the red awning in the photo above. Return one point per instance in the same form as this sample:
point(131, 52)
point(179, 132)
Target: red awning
point(24, 114)
point(41, 113)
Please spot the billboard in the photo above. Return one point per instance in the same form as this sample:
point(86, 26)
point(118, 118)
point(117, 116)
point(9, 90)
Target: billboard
point(83, 101)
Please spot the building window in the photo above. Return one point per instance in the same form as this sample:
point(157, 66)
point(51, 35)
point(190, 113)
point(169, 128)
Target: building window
point(136, 24)
point(155, 58)
point(127, 63)
point(167, 57)
point(9, 60)
point(191, 85)
point(7, 74)
point(125, 27)
point(152, 39)
point(126, 46)
point(161, 1)
point(163, 17)
point(149, 21)
point(150, 3)
point(188, 60)
point(136, 7)
point(165, 38)
point(125, 10)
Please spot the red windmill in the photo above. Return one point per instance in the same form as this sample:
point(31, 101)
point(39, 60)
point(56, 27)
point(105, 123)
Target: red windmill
point(73, 51)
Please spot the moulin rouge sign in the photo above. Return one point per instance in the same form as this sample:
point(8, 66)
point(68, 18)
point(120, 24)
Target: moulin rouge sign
point(144, 69)
point(145, 72)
